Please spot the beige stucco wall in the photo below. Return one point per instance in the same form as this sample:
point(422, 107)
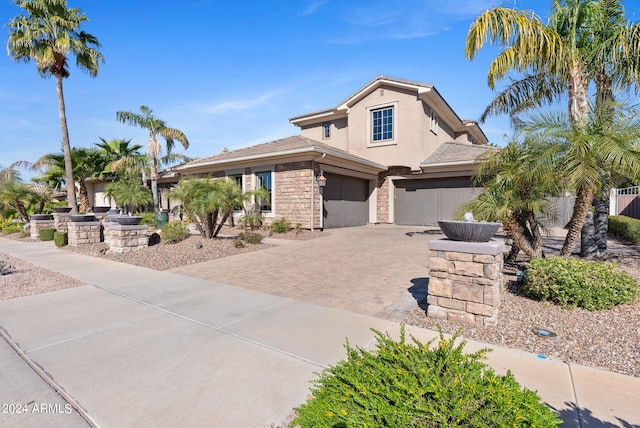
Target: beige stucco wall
point(339, 133)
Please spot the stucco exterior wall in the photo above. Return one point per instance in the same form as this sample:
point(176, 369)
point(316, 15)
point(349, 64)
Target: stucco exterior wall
point(339, 137)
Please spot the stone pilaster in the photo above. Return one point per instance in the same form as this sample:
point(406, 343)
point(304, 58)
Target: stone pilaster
point(465, 280)
point(123, 238)
point(84, 232)
point(61, 220)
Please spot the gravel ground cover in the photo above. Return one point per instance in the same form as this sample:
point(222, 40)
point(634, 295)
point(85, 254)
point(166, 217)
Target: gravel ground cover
point(607, 339)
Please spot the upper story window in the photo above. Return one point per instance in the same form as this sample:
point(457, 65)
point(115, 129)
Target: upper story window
point(434, 122)
point(326, 130)
point(382, 124)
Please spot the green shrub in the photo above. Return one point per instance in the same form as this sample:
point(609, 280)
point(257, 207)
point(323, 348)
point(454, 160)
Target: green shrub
point(625, 227)
point(175, 231)
point(148, 219)
point(240, 243)
point(570, 282)
point(13, 228)
point(61, 239)
point(8, 226)
point(280, 226)
point(410, 385)
point(251, 220)
point(47, 234)
point(250, 237)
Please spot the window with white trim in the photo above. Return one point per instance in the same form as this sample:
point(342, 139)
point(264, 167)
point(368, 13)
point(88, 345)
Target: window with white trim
point(263, 179)
point(326, 130)
point(237, 178)
point(382, 124)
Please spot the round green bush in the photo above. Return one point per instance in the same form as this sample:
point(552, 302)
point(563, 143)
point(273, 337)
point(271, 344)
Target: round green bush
point(250, 237)
point(280, 226)
point(61, 238)
point(415, 385)
point(175, 231)
point(47, 234)
point(591, 285)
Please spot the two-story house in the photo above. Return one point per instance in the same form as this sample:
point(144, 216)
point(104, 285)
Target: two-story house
point(392, 152)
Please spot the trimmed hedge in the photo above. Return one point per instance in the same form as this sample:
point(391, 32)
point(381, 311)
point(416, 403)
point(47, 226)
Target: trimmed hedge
point(47, 234)
point(625, 227)
point(574, 283)
point(61, 239)
point(416, 385)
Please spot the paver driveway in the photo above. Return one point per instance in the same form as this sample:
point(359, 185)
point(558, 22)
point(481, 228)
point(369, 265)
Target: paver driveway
point(376, 270)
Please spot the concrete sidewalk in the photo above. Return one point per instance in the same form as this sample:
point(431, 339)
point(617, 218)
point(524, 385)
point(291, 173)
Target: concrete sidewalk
point(139, 347)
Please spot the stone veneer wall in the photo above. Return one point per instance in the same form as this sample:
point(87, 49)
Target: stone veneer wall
point(83, 232)
point(124, 238)
point(383, 185)
point(35, 226)
point(465, 280)
point(293, 194)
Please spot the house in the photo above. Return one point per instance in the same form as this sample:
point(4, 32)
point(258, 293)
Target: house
point(393, 151)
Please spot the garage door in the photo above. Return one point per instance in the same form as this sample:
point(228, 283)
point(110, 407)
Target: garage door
point(345, 201)
point(424, 202)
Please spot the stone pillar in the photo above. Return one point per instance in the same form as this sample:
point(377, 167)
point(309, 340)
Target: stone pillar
point(83, 232)
point(61, 220)
point(465, 280)
point(123, 238)
point(35, 226)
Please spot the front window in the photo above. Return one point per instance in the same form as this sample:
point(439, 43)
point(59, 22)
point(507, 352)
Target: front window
point(434, 122)
point(264, 181)
point(237, 178)
point(382, 124)
point(326, 130)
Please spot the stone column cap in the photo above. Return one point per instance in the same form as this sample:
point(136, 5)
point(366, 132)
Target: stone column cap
point(490, 248)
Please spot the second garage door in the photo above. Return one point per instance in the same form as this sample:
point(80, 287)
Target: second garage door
point(424, 202)
point(345, 201)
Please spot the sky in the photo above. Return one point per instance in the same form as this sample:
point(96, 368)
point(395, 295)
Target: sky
point(230, 73)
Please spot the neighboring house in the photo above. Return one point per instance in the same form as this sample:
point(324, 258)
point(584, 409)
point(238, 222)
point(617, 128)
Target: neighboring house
point(392, 152)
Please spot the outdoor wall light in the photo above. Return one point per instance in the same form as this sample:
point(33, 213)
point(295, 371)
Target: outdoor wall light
point(322, 180)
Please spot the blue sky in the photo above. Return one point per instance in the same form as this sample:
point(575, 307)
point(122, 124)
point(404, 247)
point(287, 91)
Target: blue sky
point(229, 73)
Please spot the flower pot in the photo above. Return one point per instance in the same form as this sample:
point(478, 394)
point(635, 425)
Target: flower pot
point(82, 217)
point(100, 210)
point(42, 217)
point(126, 220)
point(62, 210)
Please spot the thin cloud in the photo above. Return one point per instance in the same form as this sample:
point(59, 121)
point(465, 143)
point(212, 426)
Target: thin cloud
point(313, 6)
point(244, 105)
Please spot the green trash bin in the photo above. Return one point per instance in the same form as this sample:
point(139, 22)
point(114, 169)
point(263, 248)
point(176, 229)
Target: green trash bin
point(162, 218)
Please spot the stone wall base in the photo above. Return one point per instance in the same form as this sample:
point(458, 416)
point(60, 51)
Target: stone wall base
point(123, 239)
point(465, 280)
point(35, 226)
point(84, 232)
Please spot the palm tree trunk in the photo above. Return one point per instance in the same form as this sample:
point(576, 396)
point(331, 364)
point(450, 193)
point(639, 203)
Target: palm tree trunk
point(601, 222)
point(84, 198)
point(578, 96)
point(517, 234)
point(154, 183)
point(580, 209)
point(66, 148)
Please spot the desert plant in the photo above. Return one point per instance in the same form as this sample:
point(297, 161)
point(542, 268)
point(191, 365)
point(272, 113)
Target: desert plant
point(250, 237)
point(175, 231)
point(574, 283)
point(13, 228)
point(240, 243)
point(625, 227)
point(46, 234)
point(148, 219)
point(416, 385)
point(60, 238)
point(6, 268)
point(280, 226)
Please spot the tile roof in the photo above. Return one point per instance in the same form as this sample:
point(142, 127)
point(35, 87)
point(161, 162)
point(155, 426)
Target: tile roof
point(454, 152)
point(272, 148)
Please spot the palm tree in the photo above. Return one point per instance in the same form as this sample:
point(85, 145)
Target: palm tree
point(18, 196)
point(123, 158)
point(581, 41)
point(48, 34)
point(516, 191)
point(607, 142)
point(146, 120)
point(128, 193)
point(87, 162)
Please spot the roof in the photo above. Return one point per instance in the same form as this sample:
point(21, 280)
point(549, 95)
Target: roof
point(293, 145)
point(425, 91)
point(456, 153)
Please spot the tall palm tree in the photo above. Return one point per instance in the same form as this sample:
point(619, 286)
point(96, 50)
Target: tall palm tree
point(87, 162)
point(156, 127)
point(48, 34)
point(581, 40)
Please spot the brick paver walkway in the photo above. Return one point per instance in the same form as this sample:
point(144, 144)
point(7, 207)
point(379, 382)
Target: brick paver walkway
point(376, 270)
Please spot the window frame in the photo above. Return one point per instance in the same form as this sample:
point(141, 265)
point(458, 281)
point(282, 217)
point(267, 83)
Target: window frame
point(433, 125)
point(370, 111)
point(326, 130)
point(257, 181)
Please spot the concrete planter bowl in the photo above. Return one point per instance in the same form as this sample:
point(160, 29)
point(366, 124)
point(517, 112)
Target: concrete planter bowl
point(82, 217)
point(42, 217)
point(100, 210)
point(126, 220)
point(62, 210)
point(468, 231)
